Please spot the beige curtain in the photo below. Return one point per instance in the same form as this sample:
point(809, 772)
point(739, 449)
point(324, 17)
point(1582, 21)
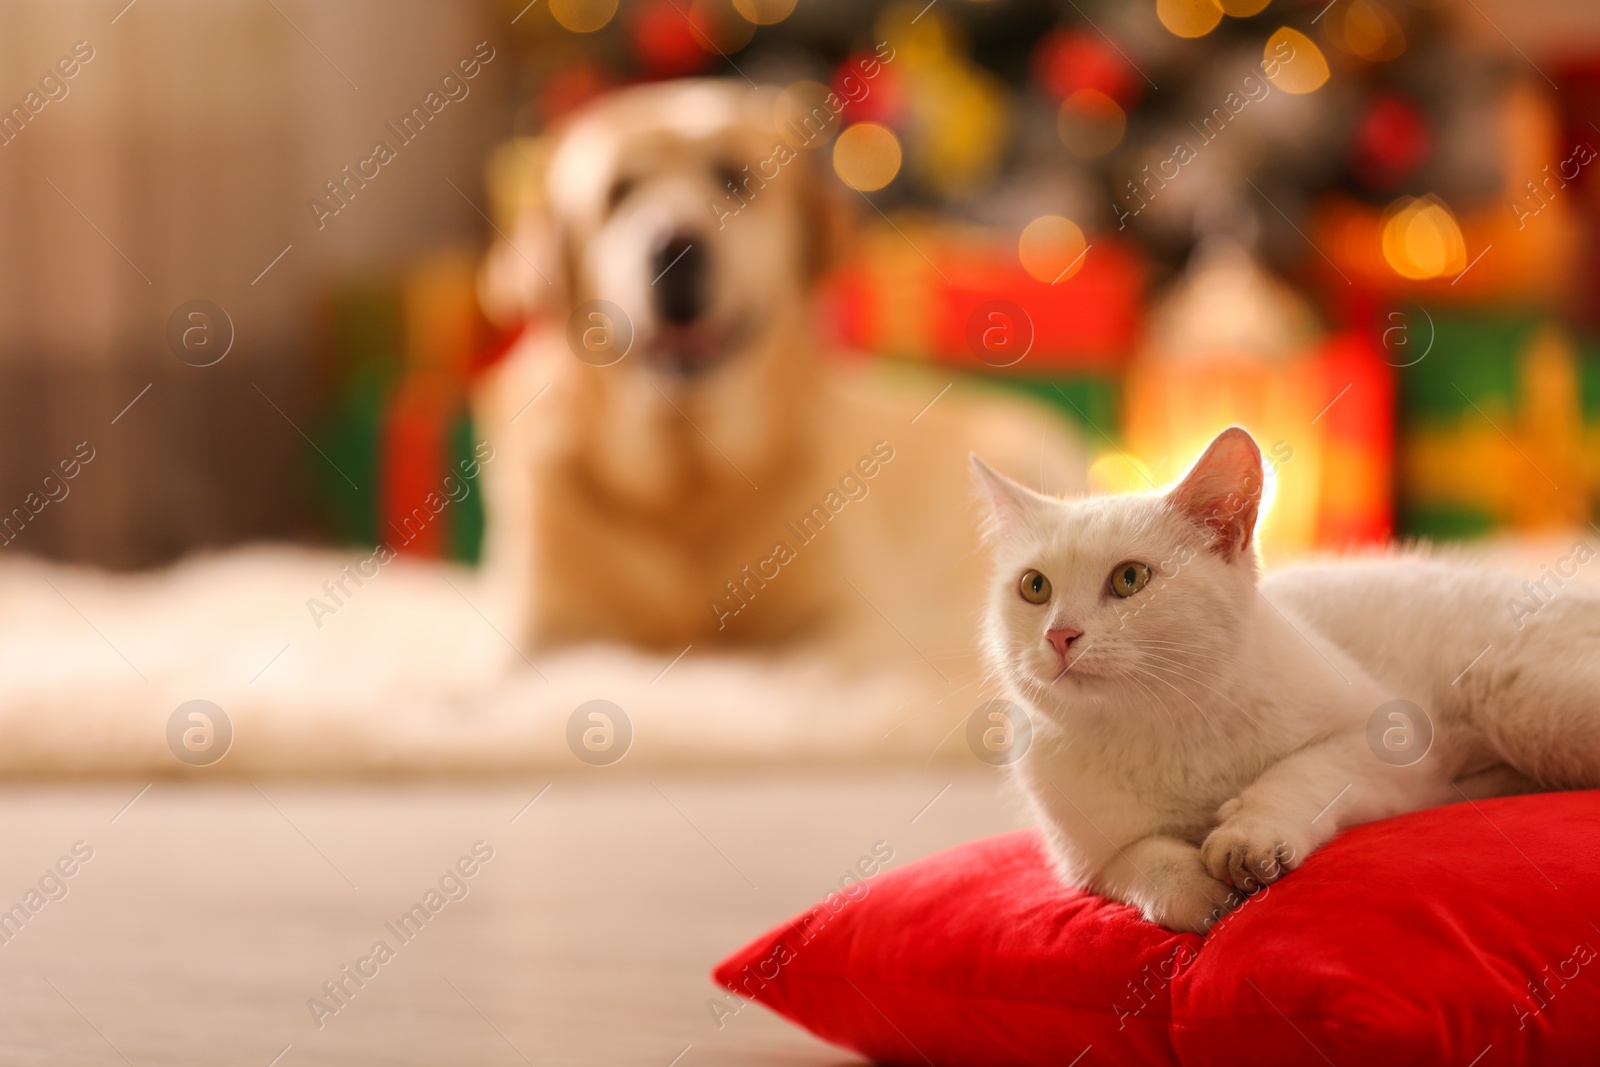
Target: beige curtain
point(177, 163)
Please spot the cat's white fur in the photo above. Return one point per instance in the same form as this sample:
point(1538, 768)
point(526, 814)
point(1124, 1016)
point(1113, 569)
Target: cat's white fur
point(1209, 732)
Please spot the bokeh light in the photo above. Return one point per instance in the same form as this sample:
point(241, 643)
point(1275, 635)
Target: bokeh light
point(1243, 9)
point(1391, 140)
point(665, 42)
point(1421, 239)
point(867, 156)
point(583, 16)
point(1052, 248)
point(1189, 18)
point(764, 12)
point(1305, 71)
point(1064, 62)
point(1091, 123)
point(1367, 29)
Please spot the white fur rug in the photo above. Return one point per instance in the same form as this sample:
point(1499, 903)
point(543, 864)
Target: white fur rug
point(406, 676)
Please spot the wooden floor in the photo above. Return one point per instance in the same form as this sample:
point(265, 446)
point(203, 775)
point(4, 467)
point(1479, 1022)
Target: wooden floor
point(208, 915)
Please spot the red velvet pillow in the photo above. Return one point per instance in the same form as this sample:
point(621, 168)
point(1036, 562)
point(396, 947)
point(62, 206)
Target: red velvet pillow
point(976, 955)
point(1413, 940)
point(1461, 935)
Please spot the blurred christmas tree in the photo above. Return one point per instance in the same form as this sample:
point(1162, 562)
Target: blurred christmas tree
point(1350, 219)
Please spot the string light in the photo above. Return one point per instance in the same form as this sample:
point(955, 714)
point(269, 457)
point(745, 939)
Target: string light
point(1052, 248)
point(867, 156)
point(1422, 240)
point(1189, 18)
point(1307, 69)
point(1091, 123)
point(1368, 30)
point(583, 16)
point(764, 12)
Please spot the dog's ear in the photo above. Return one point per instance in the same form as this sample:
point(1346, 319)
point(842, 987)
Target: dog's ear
point(524, 271)
point(825, 214)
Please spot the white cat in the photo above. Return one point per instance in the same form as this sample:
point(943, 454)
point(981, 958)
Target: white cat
point(1197, 733)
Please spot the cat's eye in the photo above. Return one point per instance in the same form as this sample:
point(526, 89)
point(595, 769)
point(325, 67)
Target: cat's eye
point(1034, 587)
point(1130, 577)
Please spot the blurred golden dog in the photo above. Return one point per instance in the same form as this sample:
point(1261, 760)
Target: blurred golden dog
point(675, 460)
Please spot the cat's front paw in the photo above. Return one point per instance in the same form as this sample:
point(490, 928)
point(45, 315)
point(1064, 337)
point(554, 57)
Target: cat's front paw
point(1194, 904)
point(1249, 852)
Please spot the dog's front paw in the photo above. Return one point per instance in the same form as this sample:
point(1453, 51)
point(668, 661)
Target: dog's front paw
point(1248, 851)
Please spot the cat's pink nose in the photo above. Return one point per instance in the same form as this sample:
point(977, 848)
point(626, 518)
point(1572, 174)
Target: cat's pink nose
point(1061, 637)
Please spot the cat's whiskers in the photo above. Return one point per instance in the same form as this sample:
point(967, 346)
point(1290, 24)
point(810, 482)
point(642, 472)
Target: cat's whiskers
point(1032, 684)
point(1171, 641)
point(1193, 658)
point(1156, 677)
point(1206, 651)
point(1153, 658)
point(1190, 655)
point(1162, 704)
point(1199, 662)
point(1191, 675)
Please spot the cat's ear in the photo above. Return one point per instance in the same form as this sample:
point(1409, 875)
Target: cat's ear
point(1010, 503)
point(1222, 491)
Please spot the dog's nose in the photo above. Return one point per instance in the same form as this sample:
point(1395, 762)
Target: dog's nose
point(679, 291)
point(1062, 637)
